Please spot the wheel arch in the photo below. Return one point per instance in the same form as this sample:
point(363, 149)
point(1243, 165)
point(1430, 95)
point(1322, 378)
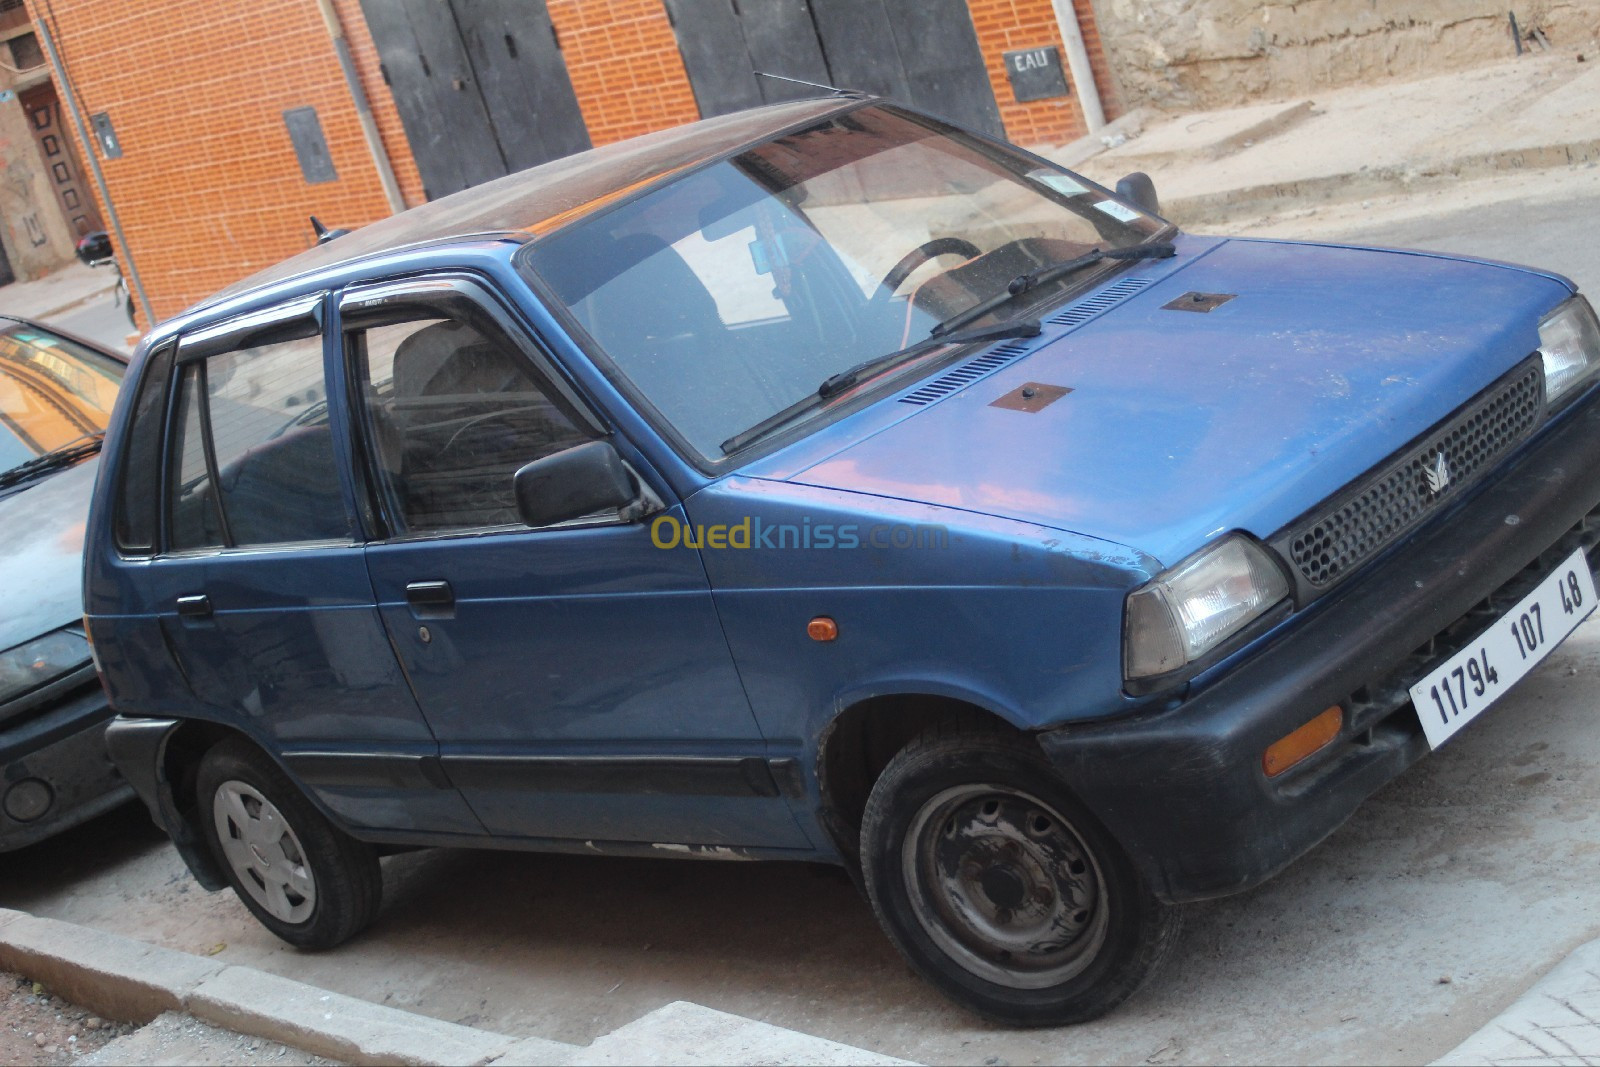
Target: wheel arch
point(172, 750)
point(855, 746)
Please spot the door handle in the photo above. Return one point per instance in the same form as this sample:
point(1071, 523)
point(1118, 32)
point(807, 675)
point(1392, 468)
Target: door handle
point(195, 606)
point(430, 595)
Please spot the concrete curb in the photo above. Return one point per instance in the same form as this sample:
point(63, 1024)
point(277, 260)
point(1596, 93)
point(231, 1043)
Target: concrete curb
point(333, 1025)
point(1285, 118)
point(1251, 202)
point(120, 978)
point(1555, 1022)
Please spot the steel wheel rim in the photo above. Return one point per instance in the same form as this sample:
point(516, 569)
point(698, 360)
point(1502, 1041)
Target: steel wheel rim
point(264, 852)
point(1005, 886)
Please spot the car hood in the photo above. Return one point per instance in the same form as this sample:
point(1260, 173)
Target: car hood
point(1180, 426)
point(41, 568)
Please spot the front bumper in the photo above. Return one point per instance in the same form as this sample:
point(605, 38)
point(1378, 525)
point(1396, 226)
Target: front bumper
point(1183, 790)
point(61, 750)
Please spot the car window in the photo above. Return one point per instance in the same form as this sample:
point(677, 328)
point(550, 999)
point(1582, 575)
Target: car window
point(253, 453)
point(138, 490)
point(194, 522)
point(452, 412)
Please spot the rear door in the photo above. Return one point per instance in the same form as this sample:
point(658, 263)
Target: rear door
point(576, 676)
point(261, 588)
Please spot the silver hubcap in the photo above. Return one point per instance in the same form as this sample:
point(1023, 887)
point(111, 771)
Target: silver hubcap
point(1003, 884)
point(264, 852)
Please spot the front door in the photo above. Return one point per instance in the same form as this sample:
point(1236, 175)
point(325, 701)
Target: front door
point(576, 676)
point(262, 589)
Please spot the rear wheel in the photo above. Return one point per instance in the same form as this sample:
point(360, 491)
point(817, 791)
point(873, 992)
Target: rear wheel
point(1000, 889)
point(305, 880)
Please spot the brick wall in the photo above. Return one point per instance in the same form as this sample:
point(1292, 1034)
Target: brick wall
point(624, 64)
point(1004, 25)
point(209, 188)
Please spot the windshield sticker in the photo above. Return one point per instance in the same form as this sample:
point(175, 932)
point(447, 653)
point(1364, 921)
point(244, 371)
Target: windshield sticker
point(1121, 212)
point(1065, 184)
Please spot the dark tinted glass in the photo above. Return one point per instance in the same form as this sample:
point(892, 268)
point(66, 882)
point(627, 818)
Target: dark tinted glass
point(140, 485)
point(277, 475)
point(192, 507)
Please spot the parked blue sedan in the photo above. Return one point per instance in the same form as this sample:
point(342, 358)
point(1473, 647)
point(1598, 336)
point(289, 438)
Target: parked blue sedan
point(824, 482)
point(56, 394)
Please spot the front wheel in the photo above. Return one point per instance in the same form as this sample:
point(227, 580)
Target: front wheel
point(305, 880)
point(1000, 889)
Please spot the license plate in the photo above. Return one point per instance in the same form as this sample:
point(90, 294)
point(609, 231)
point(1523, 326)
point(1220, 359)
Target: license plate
point(1460, 688)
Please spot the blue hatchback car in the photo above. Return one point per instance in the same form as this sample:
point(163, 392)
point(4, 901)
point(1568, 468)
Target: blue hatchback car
point(824, 482)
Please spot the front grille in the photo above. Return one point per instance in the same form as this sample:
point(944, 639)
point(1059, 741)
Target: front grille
point(1379, 715)
point(1380, 507)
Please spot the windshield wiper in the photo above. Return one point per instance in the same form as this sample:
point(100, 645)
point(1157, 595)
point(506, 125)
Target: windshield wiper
point(65, 456)
point(1024, 283)
point(838, 383)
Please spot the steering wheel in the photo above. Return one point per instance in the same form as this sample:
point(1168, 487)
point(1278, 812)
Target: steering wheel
point(939, 246)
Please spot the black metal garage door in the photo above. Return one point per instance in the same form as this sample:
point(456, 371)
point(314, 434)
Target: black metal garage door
point(923, 52)
point(481, 87)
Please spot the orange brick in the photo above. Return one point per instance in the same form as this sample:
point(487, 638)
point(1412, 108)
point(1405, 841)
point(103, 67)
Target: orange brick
point(209, 188)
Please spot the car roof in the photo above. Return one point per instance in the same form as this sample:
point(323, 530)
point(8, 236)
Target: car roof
point(541, 199)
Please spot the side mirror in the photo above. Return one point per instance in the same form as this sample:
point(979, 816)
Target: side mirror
point(1139, 189)
point(572, 483)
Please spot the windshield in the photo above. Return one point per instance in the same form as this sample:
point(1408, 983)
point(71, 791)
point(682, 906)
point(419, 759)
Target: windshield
point(53, 394)
point(733, 292)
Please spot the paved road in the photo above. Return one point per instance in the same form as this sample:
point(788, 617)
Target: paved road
point(1426, 914)
point(1547, 219)
point(98, 320)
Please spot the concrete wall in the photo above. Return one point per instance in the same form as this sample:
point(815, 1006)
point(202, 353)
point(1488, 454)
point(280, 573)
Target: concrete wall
point(1213, 53)
point(36, 237)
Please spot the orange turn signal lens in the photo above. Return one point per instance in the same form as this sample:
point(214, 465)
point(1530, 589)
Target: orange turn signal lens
point(822, 628)
point(1310, 738)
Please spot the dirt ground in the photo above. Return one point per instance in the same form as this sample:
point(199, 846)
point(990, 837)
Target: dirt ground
point(37, 1028)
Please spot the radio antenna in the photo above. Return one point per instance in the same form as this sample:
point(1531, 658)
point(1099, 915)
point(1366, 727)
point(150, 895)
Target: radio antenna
point(801, 81)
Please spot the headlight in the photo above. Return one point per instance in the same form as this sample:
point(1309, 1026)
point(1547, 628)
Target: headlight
point(41, 660)
point(1569, 342)
point(1192, 608)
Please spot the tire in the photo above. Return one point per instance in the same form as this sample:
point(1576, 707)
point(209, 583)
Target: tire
point(305, 880)
point(1000, 889)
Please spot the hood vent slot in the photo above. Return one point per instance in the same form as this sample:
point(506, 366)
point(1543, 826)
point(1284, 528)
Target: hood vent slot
point(1104, 300)
point(966, 374)
point(996, 358)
